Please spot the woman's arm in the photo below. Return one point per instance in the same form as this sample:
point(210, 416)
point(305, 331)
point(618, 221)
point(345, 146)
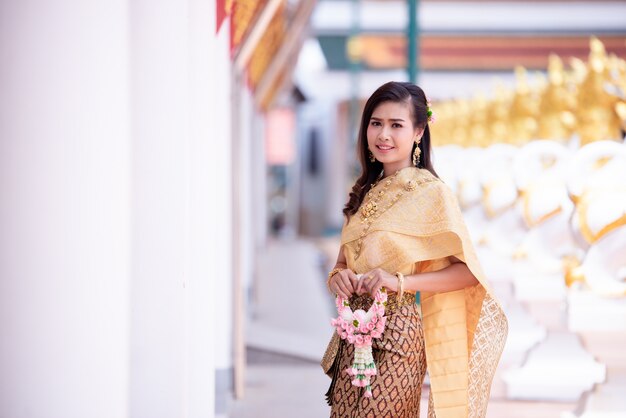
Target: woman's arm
point(454, 277)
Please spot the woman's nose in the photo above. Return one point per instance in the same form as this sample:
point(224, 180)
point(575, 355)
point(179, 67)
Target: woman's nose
point(384, 133)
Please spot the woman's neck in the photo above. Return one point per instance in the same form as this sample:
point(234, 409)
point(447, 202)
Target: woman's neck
point(392, 168)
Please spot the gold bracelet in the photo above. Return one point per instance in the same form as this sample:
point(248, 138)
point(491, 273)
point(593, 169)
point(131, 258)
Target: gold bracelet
point(330, 275)
point(400, 292)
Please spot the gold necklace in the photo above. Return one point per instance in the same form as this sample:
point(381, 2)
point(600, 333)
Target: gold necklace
point(373, 209)
point(370, 209)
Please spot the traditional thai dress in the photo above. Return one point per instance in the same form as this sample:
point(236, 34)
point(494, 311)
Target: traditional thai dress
point(410, 223)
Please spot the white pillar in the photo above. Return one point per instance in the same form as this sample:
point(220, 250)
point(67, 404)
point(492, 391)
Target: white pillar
point(64, 209)
point(177, 225)
point(221, 166)
point(202, 221)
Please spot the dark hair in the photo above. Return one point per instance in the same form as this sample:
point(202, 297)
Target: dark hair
point(389, 92)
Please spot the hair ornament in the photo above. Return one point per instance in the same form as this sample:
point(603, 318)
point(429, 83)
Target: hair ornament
point(429, 112)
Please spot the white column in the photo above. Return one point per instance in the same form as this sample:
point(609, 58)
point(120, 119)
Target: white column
point(161, 178)
point(259, 180)
point(202, 248)
point(221, 166)
point(179, 234)
point(64, 209)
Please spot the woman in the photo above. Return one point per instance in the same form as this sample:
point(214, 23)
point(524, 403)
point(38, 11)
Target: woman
point(404, 231)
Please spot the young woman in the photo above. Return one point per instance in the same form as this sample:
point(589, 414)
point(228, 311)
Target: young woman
point(404, 231)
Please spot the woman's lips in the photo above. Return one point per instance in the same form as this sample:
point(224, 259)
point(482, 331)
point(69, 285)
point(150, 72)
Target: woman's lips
point(384, 148)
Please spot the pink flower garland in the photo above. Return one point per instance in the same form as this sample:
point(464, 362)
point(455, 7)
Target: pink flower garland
point(360, 328)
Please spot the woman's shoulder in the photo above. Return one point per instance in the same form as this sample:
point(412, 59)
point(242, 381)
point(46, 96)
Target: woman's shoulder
point(414, 178)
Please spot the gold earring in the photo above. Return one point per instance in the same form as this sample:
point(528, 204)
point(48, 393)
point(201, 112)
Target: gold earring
point(372, 158)
point(416, 154)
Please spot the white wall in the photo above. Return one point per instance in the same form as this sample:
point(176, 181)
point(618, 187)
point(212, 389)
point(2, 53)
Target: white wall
point(64, 209)
point(111, 244)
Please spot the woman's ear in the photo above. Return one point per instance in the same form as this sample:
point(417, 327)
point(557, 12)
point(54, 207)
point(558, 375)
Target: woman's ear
point(419, 132)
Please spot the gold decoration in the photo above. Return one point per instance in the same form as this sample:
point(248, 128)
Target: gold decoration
point(556, 110)
point(582, 208)
point(267, 47)
point(244, 13)
point(572, 271)
point(416, 154)
point(524, 110)
point(596, 114)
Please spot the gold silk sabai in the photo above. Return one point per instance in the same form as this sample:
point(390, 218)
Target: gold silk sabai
point(417, 221)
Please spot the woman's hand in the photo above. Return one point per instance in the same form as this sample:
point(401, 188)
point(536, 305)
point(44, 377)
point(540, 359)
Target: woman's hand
point(344, 283)
point(373, 280)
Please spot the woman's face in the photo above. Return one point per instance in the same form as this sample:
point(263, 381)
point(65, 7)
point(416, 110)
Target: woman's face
point(391, 134)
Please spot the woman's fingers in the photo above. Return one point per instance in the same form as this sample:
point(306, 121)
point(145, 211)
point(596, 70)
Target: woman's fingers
point(347, 282)
point(373, 282)
point(376, 285)
point(354, 281)
point(341, 289)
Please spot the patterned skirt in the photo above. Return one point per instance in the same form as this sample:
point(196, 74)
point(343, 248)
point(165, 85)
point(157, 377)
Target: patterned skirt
point(401, 363)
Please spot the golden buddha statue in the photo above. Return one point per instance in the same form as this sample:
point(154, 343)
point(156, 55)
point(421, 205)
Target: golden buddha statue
point(596, 114)
point(460, 127)
point(479, 132)
point(618, 66)
point(523, 112)
point(498, 115)
point(441, 132)
point(556, 109)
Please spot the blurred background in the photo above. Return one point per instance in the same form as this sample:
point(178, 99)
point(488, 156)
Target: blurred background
point(172, 175)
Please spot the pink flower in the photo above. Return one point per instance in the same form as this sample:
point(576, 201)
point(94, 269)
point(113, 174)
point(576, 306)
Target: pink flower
point(367, 340)
point(359, 339)
point(374, 319)
point(368, 394)
point(370, 326)
point(351, 338)
point(363, 329)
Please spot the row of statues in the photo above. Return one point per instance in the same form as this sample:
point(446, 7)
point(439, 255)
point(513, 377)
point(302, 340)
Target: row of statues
point(585, 101)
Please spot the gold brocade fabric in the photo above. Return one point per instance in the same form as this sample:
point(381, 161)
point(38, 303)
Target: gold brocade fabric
point(464, 330)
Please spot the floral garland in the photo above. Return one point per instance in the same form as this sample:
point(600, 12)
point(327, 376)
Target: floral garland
point(360, 328)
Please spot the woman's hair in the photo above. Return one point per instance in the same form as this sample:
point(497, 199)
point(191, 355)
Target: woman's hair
point(399, 92)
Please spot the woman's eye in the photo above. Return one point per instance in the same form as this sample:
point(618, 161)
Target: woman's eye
point(397, 125)
point(375, 123)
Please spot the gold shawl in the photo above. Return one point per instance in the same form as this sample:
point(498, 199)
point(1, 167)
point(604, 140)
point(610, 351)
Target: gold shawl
point(465, 330)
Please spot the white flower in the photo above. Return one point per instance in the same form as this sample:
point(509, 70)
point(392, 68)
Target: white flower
point(346, 315)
